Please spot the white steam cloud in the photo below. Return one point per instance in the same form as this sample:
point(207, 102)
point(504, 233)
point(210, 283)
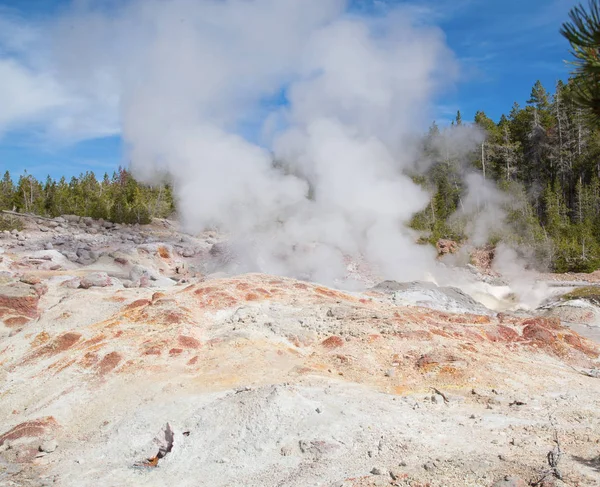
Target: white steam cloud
point(200, 85)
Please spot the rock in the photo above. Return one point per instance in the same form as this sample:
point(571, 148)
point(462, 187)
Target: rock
point(52, 224)
point(138, 271)
point(14, 231)
point(71, 218)
point(444, 246)
point(87, 220)
point(43, 229)
point(188, 252)
point(107, 225)
point(25, 437)
point(31, 280)
point(19, 298)
point(92, 231)
point(59, 219)
point(95, 279)
point(376, 471)
point(48, 246)
point(510, 481)
point(48, 446)
point(73, 283)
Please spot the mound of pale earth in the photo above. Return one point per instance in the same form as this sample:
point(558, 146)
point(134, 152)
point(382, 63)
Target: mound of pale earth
point(268, 381)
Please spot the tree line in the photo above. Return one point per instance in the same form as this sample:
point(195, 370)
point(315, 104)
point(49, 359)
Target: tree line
point(120, 198)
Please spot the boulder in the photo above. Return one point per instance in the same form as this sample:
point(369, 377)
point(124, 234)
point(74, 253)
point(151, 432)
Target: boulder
point(95, 279)
point(26, 438)
point(19, 298)
point(71, 218)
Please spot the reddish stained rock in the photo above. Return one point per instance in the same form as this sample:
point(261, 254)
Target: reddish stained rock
point(109, 362)
point(175, 351)
point(58, 345)
point(193, 360)
point(188, 342)
point(251, 297)
point(325, 292)
point(121, 260)
point(333, 342)
point(89, 359)
point(501, 333)
point(539, 334)
point(550, 323)
point(157, 295)
point(20, 298)
point(578, 344)
point(16, 321)
point(29, 435)
point(152, 351)
point(138, 303)
point(29, 429)
point(436, 358)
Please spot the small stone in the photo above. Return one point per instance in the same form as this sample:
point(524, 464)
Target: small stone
point(390, 373)
point(48, 446)
point(48, 246)
point(510, 481)
point(285, 451)
point(429, 466)
point(376, 471)
point(318, 410)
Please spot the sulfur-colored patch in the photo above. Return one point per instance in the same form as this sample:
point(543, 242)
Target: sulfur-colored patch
point(137, 304)
point(163, 252)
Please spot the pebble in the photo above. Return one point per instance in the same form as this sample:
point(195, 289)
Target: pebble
point(376, 471)
point(48, 446)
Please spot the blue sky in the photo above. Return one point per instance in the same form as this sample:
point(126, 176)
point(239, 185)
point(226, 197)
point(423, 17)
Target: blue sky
point(503, 46)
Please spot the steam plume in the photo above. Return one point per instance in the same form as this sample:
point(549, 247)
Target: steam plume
point(200, 85)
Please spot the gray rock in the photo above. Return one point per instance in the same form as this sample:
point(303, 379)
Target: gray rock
point(48, 446)
point(510, 481)
point(376, 471)
point(95, 279)
point(59, 219)
point(138, 271)
point(188, 252)
point(48, 246)
point(14, 231)
point(43, 229)
point(52, 224)
point(71, 218)
point(429, 295)
point(83, 253)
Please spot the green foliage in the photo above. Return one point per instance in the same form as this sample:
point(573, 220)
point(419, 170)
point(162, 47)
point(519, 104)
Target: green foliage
point(120, 199)
point(8, 222)
point(545, 157)
point(583, 33)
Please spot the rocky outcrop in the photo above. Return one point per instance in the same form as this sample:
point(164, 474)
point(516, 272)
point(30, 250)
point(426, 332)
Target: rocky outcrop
point(18, 303)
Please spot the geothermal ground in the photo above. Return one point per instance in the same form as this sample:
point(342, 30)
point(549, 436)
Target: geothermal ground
point(128, 358)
